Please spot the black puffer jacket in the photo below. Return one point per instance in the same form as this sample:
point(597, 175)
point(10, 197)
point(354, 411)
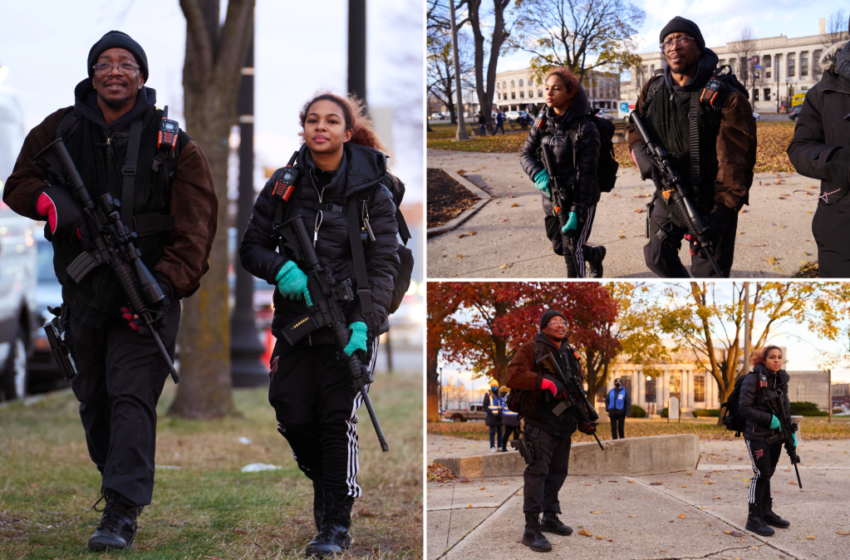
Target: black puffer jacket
point(584, 183)
point(752, 404)
point(821, 145)
point(363, 172)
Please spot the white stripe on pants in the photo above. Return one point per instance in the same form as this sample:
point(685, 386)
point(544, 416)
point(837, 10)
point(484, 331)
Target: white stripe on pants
point(578, 256)
point(353, 466)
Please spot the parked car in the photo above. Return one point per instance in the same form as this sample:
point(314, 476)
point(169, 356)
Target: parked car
point(756, 116)
point(437, 116)
point(470, 412)
point(795, 112)
point(512, 116)
point(606, 114)
point(17, 263)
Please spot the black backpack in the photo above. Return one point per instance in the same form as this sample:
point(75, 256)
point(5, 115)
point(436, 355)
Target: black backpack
point(733, 421)
point(608, 166)
point(405, 255)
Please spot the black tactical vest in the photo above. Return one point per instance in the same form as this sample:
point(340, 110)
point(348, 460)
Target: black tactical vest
point(99, 159)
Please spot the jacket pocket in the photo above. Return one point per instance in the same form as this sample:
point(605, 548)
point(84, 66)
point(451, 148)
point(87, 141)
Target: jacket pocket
point(821, 152)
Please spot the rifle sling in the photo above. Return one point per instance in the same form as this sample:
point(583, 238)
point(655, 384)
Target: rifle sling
point(129, 172)
point(693, 141)
point(364, 293)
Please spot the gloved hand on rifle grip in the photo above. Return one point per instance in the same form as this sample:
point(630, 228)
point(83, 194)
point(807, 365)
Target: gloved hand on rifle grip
point(795, 439)
point(774, 423)
point(292, 283)
point(541, 182)
point(554, 386)
point(358, 338)
point(572, 223)
point(64, 216)
point(641, 157)
point(586, 428)
point(160, 309)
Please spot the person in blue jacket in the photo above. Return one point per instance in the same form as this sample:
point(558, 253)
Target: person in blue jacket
point(619, 405)
point(493, 409)
point(510, 420)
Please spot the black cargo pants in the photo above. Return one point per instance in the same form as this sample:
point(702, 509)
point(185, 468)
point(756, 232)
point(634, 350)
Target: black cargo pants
point(121, 376)
point(545, 475)
point(316, 409)
point(663, 258)
point(831, 228)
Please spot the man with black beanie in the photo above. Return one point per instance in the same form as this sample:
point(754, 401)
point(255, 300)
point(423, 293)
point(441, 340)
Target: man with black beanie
point(549, 425)
point(703, 119)
point(821, 150)
point(169, 202)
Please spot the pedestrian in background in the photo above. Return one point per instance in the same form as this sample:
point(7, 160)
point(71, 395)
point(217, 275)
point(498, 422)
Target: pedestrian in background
point(493, 407)
point(619, 405)
point(510, 420)
point(500, 122)
point(482, 124)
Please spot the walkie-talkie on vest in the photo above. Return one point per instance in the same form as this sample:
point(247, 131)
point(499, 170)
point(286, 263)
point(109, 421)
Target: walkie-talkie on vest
point(285, 184)
point(540, 120)
point(168, 132)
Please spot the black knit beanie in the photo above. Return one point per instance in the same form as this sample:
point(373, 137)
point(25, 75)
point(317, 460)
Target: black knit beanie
point(117, 39)
point(682, 25)
point(548, 317)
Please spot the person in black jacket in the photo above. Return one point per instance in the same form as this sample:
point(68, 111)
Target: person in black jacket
point(761, 425)
point(310, 389)
point(821, 150)
point(566, 130)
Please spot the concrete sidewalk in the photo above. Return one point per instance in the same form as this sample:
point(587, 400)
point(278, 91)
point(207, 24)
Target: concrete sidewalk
point(506, 239)
point(692, 514)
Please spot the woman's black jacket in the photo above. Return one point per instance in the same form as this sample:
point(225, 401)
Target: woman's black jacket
point(583, 178)
point(752, 404)
point(362, 173)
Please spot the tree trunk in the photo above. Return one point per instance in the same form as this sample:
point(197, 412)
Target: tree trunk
point(211, 77)
point(432, 387)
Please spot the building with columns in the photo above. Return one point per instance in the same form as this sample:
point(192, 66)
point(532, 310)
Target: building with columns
point(517, 91)
point(781, 66)
point(682, 377)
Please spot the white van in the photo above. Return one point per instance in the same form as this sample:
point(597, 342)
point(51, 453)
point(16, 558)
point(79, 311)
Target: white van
point(17, 263)
point(625, 109)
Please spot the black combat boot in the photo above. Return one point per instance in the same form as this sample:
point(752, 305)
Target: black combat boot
point(771, 518)
point(532, 537)
point(336, 522)
point(117, 526)
point(756, 524)
point(594, 263)
point(551, 524)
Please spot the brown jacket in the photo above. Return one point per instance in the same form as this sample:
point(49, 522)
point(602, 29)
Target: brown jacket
point(736, 149)
point(194, 205)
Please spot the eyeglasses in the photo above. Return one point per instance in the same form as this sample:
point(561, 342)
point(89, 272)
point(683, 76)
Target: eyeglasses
point(668, 44)
point(561, 323)
point(123, 67)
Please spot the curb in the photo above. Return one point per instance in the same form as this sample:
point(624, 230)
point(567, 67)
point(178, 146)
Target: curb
point(484, 198)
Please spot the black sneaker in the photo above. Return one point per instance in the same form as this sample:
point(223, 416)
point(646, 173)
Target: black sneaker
point(117, 525)
point(756, 524)
point(334, 536)
point(551, 524)
point(532, 537)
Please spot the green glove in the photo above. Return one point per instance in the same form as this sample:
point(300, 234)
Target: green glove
point(358, 338)
point(541, 181)
point(774, 424)
point(795, 439)
point(292, 283)
point(572, 223)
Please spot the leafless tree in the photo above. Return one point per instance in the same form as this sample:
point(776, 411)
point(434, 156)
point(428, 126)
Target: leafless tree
point(577, 34)
point(836, 28)
point(745, 48)
point(212, 68)
point(441, 72)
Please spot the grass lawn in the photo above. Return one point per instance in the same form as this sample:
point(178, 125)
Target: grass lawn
point(773, 140)
point(207, 508)
point(704, 428)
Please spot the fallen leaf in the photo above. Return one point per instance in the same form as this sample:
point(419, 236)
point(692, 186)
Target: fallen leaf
point(585, 533)
point(596, 512)
point(506, 266)
point(621, 236)
point(683, 486)
point(469, 506)
point(772, 261)
point(464, 481)
point(482, 488)
point(514, 205)
point(503, 220)
point(633, 516)
point(681, 516)
point(845, 533)
point(811, 537)
point(728, 532)
point(468, 234)
point(491, 495)
point(639, 211)
point(459, 256)
point(656, 483)
point(600, 537)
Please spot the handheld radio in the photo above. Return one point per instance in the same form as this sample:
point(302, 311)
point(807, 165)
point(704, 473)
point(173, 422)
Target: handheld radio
point(167, 135)
point(284, 185)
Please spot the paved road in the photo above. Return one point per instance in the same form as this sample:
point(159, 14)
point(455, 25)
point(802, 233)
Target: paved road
point(506, 239)
point(692, 514)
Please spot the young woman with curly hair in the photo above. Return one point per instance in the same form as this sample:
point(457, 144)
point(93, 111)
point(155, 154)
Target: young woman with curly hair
point(341, 162)
point(571, 141)
point(762, 425)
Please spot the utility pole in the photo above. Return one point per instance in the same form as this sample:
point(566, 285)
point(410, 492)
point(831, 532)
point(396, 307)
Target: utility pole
point(245, 346)
point(357, 48)
point(461, 126)
point(747, 325)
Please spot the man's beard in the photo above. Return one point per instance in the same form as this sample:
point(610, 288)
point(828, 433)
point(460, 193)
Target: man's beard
point(116, 104)
point(559, 338)
point(684, 70)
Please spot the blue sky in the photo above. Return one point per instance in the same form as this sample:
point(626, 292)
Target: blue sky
point(721, 21)
point(301, 47)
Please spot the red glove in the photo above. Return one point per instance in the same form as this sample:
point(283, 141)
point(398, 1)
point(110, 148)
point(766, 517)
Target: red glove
point(586, 428)
point(694, 244)
point(63, 214)
point(548, 385)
